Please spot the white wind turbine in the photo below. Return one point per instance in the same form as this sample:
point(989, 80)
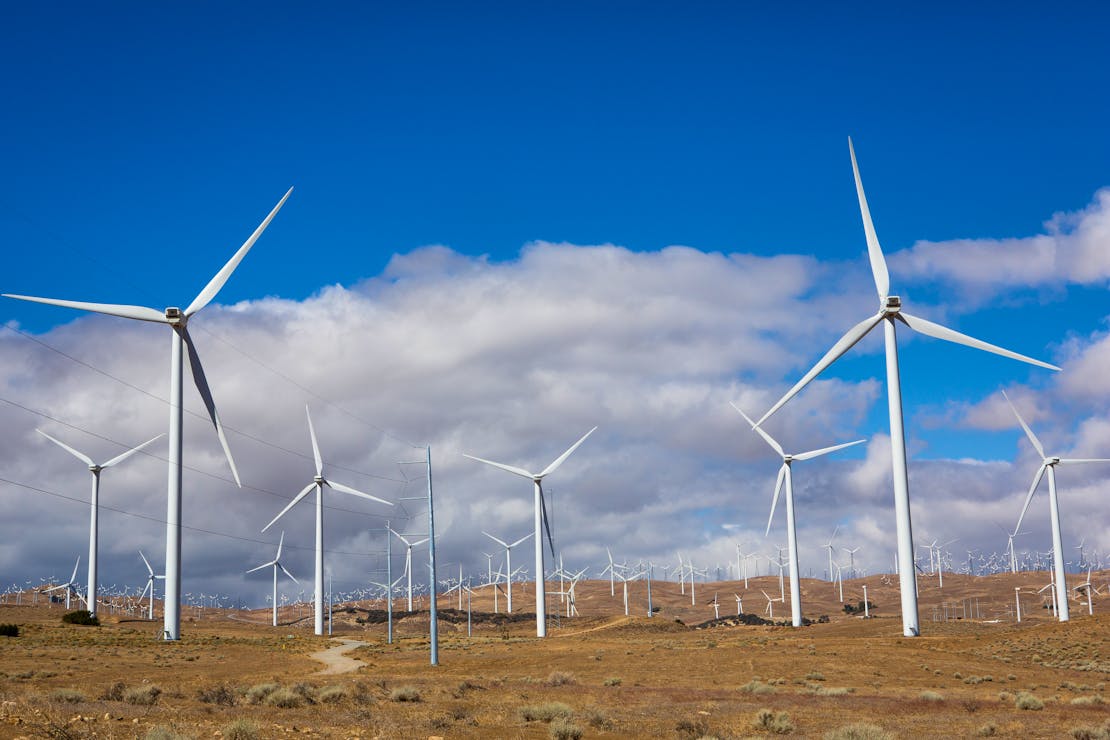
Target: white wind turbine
point(275, 564)
point(68, 585)
point(408, 559)
point(508, 559)
point(150, 579)
point(829, 547)
point(791, 528)
point(180, 340)
point(890, 313)
point(541, 522)
point(94, 506)
point(318, 483)
point(1048, 465)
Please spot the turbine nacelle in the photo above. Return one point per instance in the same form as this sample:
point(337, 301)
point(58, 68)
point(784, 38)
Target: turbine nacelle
point(175, 316)
point(1051, 460)
point(891, 304)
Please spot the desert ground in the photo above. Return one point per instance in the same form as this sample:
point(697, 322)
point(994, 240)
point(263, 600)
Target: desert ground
point(974, 672)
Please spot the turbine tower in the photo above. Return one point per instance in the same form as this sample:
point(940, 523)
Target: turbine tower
point(1048, 465)
point(791, 529)
point(541, 522)
point(94, 506)
point(890, 313)
point(508, 560)
point(318, 482)
point(180, 341)
point(276, 563)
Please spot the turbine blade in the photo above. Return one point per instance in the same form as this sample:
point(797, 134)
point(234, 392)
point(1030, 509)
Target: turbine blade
point(120, 458)
point(286, 572)
point(264, 565)
point(943, 332)
point(522, 539)
point(1028, 432)
point(1083, 460)
point(826, 450)
point(775, 500)
point(79, 455)
point(1032, 490)
point(315, 445)
point(206, 395)
point(418, 543)
point(551, 468)
point(280, 543)
point(543, 511)
point(766, 437)
point(304, 492)
point(500, 542)
point(517, 471)
point(147, 562)
point(221, 277)
point(842, 345)
point(73, 577)
point(874, 251)
point(353, 492)
point(141, 313)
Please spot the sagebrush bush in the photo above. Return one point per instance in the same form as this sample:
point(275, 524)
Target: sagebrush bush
point(257, 694)
point(405, 693)
point(69, 696)
point(332, 694)
point(561, 678)
point(987, 730)
point(755, 686)
point(564, 729)
point(1092, 733)
point(284, 698)
point(143, 696)
point(219, 694)
point(9, 630)
point(165, 733)
point(114, 692)
point(930, 696)
point(612, 681)
point(240, 729)
point(81, 616)
point(768, 721)
point(858, 731)
point(547, 712)
point(1025, 700)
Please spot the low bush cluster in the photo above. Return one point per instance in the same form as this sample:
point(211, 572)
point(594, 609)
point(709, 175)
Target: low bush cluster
point(81, 616)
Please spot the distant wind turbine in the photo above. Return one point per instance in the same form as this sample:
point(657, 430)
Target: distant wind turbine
point(508, 559)
point(541, 523)
point(177, 320)
point(889, 315)
point(275, 564)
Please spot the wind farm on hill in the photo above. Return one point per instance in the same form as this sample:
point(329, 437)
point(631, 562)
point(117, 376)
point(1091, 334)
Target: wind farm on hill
point(1009, 643)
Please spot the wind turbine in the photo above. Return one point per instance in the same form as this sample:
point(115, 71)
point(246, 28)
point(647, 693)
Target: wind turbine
point(68, 585)
point(94, 505)
point(180, 340)
point(791, 528)
point(408, 559)
point(890, 312)
point(150, 579)
point(541, 522)
point(1048, 465)
point(276, 563)
point(508, 558)
point(318, 482)
point(829, 546)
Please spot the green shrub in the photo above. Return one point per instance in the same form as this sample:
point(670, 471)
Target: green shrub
point(769, 721)
point(257, 694)
point(1081, 701)
point(547, 712)
point(755, 686)
point(564, 729)
point(285, 699)
point(240, 729)
point(69, 696)
point(332, 694)
point(1027, 701)
point(143, 696)
point(405, 693)
point(9, 630)
point(81, 616)
point(858, 731)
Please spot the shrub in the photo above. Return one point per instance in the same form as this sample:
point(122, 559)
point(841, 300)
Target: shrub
point(332, 694)
point(930, 696)
point(548, 712)
point(755, 686)
point(814, 676)
point(143, 696)
point(114, 692)
point(1091, 733)
point(612, 681)
point(164, 733)
point(405, 693)
point(9, 630)
point(858, 731)
point(257, 694)
point(769, 721)
point(564, 729)
point(832, 690)
point(81, 616)
point(987, 730)
point(285, 699)
point(698, 728)
point(561, 678)
point(599, 720)
point(240, 729)
point(1025, 700)
point(69, 696)
point(1081, 701)
point(219, 694)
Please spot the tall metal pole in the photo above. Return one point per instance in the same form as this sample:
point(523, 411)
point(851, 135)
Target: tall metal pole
point(90, 600)
point(434, 623)
point(389, 581)
point(907, 572)
point(171, 612)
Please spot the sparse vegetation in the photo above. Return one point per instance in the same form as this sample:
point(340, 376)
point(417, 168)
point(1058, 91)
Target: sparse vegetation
point(930, 696)
point(564, 729)
point(755, 686)
point(405, 693)
point(81, 616)
point(1092, 732)
point(561, 678)
point(612, 681)
point(776, 722)
point(285, 698)
point(1027, 701)
point(240, 729)
point(9, 630)
point(67, 696)
point(257, 694)
point(221, 694)
point(547, 712)
point(332, 694)
point(143, 696)
point(858, 731)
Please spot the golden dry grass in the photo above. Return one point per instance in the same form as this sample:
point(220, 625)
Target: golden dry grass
point(615, 676)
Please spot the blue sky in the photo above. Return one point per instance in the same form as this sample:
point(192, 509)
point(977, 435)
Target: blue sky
point(145, 143)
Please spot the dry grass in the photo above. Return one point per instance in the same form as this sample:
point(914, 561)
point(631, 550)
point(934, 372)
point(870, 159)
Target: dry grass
point(597, 675)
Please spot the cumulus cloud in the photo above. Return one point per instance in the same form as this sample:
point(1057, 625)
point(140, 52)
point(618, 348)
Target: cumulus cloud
point(511, 361)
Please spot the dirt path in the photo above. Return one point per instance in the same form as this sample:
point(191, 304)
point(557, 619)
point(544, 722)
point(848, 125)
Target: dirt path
point(334, 659)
